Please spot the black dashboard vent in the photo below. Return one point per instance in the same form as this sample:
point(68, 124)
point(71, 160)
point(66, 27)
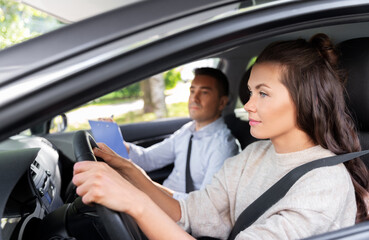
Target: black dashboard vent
point(36, 164)
point(33, 174)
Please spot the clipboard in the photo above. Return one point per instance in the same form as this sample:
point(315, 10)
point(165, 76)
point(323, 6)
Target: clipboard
point(110, 134)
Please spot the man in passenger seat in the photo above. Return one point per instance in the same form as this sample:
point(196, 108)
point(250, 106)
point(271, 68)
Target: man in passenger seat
point(212, 141)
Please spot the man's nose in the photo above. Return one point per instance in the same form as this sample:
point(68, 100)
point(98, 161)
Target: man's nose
point(195, 96)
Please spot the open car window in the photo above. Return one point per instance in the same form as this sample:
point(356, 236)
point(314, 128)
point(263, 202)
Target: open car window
point(164, 95)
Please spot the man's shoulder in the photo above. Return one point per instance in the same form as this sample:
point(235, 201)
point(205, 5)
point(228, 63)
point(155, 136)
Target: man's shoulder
point(222, 134)
point(223, 140)
point(219, 127)
point(186, 127)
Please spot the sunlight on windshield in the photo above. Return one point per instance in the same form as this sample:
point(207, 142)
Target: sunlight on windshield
point(19, 22)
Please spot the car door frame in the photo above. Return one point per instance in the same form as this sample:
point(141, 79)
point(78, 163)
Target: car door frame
point(179, 48)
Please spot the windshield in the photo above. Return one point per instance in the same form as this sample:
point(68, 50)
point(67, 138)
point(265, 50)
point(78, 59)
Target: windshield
point(20, 22)
point(24, 19)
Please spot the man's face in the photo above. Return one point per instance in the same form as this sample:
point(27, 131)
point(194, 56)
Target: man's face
point(205, 104)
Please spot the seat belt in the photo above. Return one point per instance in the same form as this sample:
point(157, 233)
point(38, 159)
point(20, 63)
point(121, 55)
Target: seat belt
point(280, 189)
point(189, 182)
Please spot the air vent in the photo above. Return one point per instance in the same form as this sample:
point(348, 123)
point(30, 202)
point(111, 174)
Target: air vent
point(36, 164)
point(33, 174)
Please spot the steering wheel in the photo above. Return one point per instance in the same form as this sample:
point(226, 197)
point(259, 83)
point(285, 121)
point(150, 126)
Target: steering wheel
point(117, 225)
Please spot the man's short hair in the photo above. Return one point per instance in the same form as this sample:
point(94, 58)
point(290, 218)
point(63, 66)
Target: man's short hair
point(219, 76)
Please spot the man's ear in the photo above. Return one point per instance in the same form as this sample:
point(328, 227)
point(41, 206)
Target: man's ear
point(223, 102)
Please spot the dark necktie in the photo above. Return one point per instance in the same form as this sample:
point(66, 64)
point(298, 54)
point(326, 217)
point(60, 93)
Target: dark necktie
point(189, 182)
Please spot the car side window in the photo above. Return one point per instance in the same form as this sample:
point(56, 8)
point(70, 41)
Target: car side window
point(164, 95)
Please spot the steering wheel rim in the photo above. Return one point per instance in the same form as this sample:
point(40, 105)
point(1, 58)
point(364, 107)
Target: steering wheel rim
point(117, 225)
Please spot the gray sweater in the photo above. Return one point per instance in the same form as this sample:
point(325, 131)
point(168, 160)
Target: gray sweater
point(320, 201)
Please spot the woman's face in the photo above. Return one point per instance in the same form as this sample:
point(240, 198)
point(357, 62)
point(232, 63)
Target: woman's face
point(272, 113)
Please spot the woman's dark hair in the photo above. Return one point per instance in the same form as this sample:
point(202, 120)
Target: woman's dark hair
point(311, 74)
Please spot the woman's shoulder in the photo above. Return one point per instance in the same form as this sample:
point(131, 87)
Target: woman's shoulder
point(333, 182)
point(324, 177)
point(326, 190)
point(332, 177)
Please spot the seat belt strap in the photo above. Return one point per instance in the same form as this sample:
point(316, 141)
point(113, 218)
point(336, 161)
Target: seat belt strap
point(280, 189)
point(189, 182)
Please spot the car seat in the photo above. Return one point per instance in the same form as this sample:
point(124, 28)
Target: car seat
point(238, 127)
point(355, 61)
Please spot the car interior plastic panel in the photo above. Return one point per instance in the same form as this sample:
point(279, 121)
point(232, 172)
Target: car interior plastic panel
point(240, 129)
point(355, 61)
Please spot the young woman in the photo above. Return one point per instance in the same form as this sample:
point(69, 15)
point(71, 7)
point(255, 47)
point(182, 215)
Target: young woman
point(297, 102)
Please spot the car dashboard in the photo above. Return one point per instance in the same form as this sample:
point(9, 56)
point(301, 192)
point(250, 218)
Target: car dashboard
point(31, 179)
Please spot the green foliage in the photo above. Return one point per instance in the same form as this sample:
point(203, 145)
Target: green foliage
point(19, 22)
point(130, 92)
point(251, 62)
point(178, 110)
point(174, 110)
point(171, 78)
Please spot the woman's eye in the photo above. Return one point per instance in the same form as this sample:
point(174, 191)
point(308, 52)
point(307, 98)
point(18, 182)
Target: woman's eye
point(263, 94)
point(250, 92)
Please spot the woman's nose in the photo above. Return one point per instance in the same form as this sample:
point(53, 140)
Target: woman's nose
point(249, 105)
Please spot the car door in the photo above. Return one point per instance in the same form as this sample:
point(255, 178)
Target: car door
point(89, 74)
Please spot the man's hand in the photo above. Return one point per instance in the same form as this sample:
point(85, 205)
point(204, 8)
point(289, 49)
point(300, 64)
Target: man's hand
point(107, 119)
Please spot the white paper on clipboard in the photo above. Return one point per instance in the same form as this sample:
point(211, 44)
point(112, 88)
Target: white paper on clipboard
point(110, 134)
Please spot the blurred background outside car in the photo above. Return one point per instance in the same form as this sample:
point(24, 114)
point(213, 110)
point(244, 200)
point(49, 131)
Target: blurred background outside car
point(161, 96)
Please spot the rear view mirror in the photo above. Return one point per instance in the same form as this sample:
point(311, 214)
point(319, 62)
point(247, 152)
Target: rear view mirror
point(58, 123)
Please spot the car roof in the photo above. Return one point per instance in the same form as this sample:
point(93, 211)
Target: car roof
point(101, 29)
point(69, 11)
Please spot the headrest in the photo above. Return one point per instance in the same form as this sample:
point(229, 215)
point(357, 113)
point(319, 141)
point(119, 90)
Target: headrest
point(355, 60)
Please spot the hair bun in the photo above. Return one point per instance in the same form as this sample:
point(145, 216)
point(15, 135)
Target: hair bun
point(326, 48)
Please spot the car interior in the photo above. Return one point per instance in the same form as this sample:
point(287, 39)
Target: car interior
point(38, 201)
point(355, 59)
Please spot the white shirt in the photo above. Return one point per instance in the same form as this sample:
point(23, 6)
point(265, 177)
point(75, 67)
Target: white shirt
point(211, 146)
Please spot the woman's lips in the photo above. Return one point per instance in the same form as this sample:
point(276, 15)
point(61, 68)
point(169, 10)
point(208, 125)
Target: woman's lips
point(253, 122)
